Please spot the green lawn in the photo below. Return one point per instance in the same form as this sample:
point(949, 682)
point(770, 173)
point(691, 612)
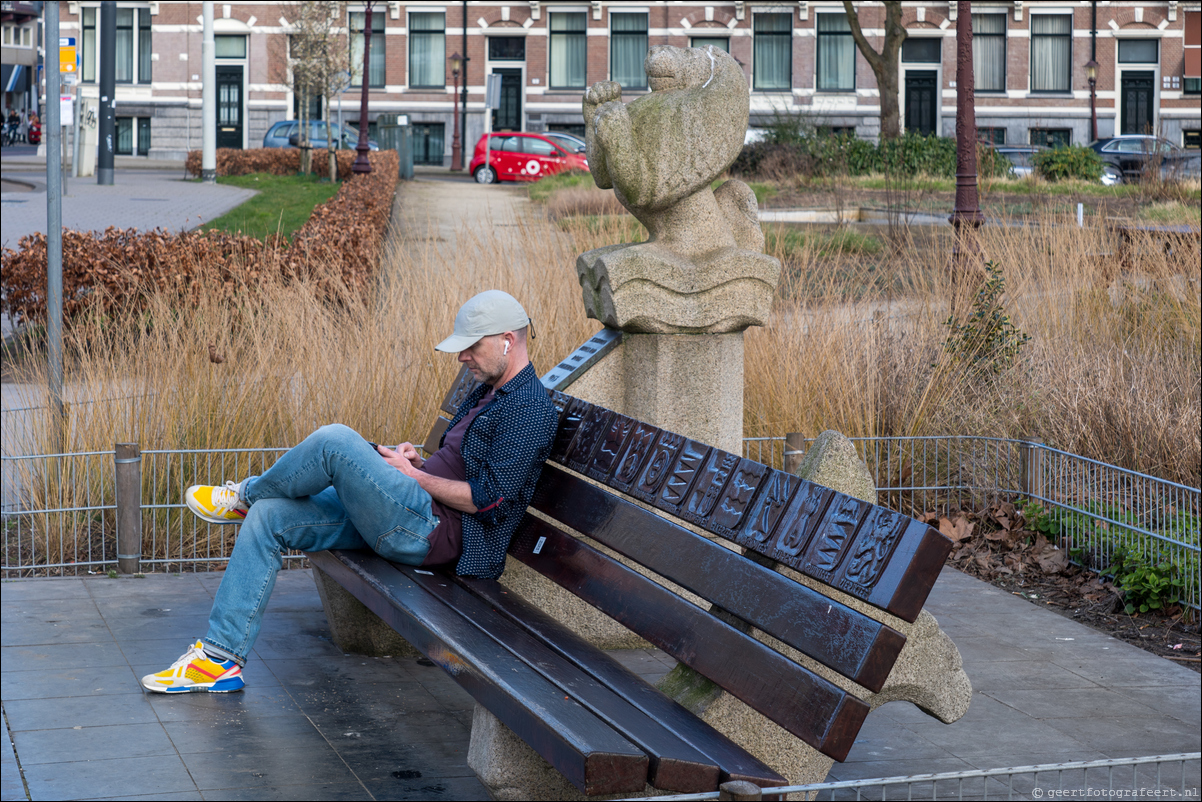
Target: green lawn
point(283, 204)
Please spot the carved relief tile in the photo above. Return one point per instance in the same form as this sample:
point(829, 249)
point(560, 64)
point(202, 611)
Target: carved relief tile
point(728, 517)
point(606, 457)
point(655, 471)
point(680, 477)
point(593, 424)
point(797, 525)
point(767, 509)
point(707, 490)
point(569, 424)
point(829, 544)
point(873, 547)
point(465, 382)
point(633, 455)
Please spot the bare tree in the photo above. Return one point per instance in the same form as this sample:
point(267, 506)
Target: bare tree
point(884, 63)
point(318, 55)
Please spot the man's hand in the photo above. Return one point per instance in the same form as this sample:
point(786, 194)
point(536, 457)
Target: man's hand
point(405, 458)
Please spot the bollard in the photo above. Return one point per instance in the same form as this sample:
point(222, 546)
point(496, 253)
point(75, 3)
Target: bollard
point(1031, 456)
point(128, 460)
point(739, 790)
point(794, 451)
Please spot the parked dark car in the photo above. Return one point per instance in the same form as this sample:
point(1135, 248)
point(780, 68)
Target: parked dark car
point(286, 133)
point(1126, 157)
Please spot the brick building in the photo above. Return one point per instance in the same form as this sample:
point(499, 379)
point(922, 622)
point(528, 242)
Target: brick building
point(799, 58)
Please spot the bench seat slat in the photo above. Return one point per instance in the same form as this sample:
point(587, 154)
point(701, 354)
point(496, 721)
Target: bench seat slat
point(587, 751)
point(735, 762)
point(812, 708)
point(675, 765)
point(835, 635)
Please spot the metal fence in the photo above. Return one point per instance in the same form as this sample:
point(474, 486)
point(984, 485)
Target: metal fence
point(1157, 776)
point(60, 511)
point(1100, 512)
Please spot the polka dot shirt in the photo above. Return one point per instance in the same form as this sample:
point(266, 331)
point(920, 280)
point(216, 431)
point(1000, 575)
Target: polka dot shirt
point(503, 452)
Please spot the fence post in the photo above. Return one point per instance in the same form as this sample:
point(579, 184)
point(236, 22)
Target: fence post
point(1031, 456)
point(794, 450)
point(128, 459)
point(739, 789)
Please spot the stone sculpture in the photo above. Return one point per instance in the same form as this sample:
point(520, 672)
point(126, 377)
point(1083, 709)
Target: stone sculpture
point(702, 270)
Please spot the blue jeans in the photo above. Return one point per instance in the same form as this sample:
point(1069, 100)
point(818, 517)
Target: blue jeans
point(333, 491)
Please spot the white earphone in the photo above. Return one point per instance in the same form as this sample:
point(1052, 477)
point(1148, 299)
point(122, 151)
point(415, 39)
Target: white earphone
point(506, 351)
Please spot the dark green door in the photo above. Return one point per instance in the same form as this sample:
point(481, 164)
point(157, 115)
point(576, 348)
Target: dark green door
point(922, 101)
point(1138, 90)
point(509, 116)
point(229, 107)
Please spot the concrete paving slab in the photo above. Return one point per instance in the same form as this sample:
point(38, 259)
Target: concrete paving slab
point(399, 728)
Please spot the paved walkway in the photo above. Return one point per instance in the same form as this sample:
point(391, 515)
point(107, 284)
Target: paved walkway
point(314, 723)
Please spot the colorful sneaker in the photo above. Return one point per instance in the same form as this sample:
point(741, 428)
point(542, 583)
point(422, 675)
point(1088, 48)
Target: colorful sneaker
point(217, 504)
point(196, 671)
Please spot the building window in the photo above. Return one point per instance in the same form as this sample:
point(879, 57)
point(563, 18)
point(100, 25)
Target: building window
point(994, 136)
point(375, 69)
point(628, 49)
point(18, 36)
point(1051, 137)
point(506, 48)
point(989, 52)
point(133, 45)
point(569, 50)
point(132, 61)
point(133, 136)
point(1192, 83)
point(922, 50)
point(1192, 140)
point(772, 53)
point(836, 54)
point(719, 42)
point(1051, 52)
point(229, 46)
point(1139, 51)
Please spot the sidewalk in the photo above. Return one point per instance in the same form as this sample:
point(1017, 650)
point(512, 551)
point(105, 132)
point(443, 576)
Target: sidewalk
point(314, 723)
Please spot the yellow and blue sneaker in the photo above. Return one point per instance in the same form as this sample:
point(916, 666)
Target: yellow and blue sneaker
point(196, 671)
point(217, 504)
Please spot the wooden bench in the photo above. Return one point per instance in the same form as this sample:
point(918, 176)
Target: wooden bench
point(601, 726)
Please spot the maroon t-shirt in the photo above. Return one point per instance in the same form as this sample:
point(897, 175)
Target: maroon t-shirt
point(446, 540)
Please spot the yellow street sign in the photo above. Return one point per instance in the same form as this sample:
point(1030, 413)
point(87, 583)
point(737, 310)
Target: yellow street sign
point(66, 54)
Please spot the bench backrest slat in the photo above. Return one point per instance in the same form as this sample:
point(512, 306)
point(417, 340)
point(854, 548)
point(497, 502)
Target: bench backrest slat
point(846, 640)
point(869, 552)
point(812, 708)
point(735, 762)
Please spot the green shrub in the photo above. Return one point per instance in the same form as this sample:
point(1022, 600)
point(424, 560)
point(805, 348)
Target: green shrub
point(790, 152)
point(1072, 161)
point(988, 339)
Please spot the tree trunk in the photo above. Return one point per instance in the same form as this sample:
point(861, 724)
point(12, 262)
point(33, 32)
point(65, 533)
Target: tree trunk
point(332, 168)
point(884, 64)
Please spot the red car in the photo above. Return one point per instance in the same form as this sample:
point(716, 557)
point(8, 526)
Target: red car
point(522, 157)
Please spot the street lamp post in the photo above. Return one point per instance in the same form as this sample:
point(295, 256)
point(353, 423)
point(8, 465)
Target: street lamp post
point(966, 217)
point(1091, 72)
point(456, 144)
point(362, 164)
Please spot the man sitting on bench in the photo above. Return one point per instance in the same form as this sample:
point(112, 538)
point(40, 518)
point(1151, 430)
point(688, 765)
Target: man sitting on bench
point(338, 491)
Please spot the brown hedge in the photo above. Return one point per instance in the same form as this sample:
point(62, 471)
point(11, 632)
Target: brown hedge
point(338, 245)
point(277, 161)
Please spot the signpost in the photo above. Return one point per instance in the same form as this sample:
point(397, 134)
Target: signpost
point(492, 100)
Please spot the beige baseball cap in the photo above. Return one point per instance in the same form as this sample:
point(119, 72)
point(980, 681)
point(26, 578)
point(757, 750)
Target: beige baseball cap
point(490, 312)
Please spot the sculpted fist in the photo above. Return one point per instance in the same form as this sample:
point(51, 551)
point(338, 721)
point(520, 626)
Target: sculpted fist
point(600, 93)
